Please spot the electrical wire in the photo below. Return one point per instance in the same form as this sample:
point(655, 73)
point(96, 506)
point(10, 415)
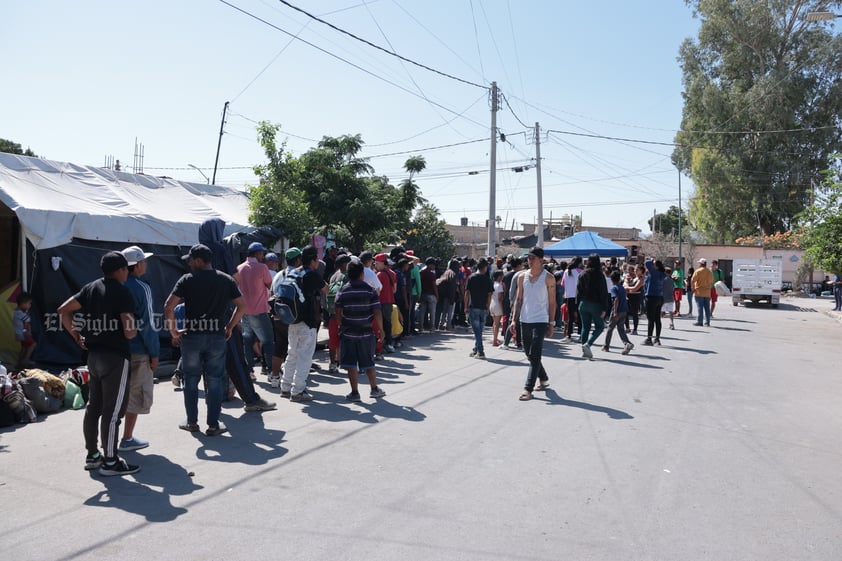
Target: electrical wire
point(378, 47)
point(346, 61)
point(476, 37)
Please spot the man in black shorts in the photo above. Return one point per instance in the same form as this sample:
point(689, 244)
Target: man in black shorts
point(357, 305)
point(105, 331)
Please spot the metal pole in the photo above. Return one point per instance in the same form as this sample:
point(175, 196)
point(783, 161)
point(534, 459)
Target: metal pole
point(540, 232)
point(219, 144)
point(679, 220)
point(492, 188)
point(24, 271)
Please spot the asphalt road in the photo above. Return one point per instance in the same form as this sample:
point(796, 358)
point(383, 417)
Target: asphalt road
point(723, 444)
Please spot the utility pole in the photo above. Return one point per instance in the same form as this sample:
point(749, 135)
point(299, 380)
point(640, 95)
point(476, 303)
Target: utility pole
point(492, 188)
point(680, 261)
point(540, 232)
point(219, 144)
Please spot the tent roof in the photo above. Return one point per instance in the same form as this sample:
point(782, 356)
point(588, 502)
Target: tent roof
point(58, 201)
point(585, 243)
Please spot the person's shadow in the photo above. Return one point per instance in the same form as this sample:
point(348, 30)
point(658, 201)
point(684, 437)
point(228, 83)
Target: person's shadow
point(247, 441)
point(554, 399)
point(140, 494)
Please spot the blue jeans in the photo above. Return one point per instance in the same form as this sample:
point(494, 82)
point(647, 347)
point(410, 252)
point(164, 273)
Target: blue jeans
point(203, 353)
point(427, 308)
point(477, 318)
point(590, 313)
point(703, 306)
point(259, 325)
point(533, 346)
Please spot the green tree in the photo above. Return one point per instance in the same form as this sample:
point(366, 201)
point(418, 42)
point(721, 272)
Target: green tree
point(428, 235)
point(822, 228)
point(762, 99)
point(667, 222)
point(14, 148)
point(277, 200)
point(342, 191)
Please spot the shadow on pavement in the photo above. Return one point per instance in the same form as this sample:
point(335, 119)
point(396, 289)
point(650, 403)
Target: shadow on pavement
point(633, 363)
point(247, 441)
point(694, 350)
point(554, 399)
point(136, 494)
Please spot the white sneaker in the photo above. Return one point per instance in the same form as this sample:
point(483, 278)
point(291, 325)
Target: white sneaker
point(586, 351)
point(274, 381)
point(627, 348)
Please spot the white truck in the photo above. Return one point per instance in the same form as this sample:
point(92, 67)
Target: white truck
point(757, 280)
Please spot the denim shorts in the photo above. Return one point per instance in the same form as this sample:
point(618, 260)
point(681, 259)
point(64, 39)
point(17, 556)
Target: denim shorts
point(356, 353)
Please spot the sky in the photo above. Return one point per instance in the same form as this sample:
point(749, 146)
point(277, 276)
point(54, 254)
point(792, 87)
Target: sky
point(87, 80)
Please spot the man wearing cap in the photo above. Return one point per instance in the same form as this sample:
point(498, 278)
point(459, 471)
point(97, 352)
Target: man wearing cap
point(367, 258)
point(702, 283)
point(389, 281)
point(105, 332)
point(292, 256)
point(254, 280)
point(145, 349)
point(273, 262)
point(302, 334)
point(207, 295)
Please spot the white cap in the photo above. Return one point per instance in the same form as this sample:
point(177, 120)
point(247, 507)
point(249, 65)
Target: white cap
point(135, 255)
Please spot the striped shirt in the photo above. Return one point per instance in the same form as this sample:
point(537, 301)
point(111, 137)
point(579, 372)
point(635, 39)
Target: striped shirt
point(357, 300)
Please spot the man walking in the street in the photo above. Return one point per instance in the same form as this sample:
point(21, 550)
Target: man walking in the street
point(207, 295)
point(535, 309)
point(478, 294)
point(357, 308)
point(105, 334)
point(302, 334)
point(702, 282)
point(678, 287)
point(145, 349)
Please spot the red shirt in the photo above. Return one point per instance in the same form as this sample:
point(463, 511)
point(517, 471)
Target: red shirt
point(389, 280)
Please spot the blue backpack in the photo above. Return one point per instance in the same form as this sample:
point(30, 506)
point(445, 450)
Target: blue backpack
point(288, 297)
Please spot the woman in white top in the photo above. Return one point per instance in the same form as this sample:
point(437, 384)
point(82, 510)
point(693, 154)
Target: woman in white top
point(496, 306)
point(569, 281)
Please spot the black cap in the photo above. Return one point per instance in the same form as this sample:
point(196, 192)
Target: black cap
point(112, 261)
point(537, 252)
point(342, 259)
point(199, 251)
point(366, 256)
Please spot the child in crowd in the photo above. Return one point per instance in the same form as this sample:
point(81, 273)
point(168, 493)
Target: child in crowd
point(669, 299)
point(23, 330)
point(496, 306)
point(619, 311)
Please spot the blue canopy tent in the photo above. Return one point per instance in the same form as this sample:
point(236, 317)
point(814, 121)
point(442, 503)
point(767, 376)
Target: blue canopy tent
point(585, 243)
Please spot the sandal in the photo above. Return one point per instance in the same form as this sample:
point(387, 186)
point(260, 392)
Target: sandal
point(542, 386)
point(525, 396)
point(189, 427)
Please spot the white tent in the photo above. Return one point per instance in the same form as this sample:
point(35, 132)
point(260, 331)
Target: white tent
point(58, 201)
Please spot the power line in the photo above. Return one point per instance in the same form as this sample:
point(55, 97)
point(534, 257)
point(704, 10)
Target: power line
point(378, 47)
point(515, 114)
point(476, 37)
point(346, 61)
point(429, 148)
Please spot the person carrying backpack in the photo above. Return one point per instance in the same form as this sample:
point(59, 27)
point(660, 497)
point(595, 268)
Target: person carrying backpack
point(304, 327)
point(281, 327)
point(334, 285)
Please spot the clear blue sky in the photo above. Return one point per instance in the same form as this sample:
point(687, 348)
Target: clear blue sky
point(83, 79)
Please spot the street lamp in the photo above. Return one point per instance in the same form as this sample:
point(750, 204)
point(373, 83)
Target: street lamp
point(822, 16)
point(207, 179)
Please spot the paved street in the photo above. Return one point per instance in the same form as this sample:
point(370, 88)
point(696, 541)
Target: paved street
point(723, 444)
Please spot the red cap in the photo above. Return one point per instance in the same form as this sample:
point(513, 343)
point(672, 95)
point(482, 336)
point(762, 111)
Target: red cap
point(382, 257)
point(410, 252)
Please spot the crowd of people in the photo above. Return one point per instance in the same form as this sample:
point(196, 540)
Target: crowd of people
point(225, 319)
